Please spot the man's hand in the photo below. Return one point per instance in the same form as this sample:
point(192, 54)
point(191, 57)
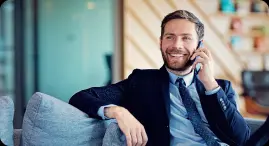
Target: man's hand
point(133, 130)
point(206, 73)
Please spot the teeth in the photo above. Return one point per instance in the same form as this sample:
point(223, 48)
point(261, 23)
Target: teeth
point(177, 55)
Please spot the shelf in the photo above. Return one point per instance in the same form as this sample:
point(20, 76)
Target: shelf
point(243, 52)
point(248, 34)
point(250, 15)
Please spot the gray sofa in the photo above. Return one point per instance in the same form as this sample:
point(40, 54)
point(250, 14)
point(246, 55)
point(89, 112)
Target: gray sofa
point(50, 121)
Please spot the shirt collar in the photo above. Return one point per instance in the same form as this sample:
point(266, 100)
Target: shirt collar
point(187, 78)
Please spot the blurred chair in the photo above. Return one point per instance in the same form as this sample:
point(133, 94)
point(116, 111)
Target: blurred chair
point(256, 90)
point(108, 58)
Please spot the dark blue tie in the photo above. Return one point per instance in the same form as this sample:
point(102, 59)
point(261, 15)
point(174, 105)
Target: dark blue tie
point(194, 115)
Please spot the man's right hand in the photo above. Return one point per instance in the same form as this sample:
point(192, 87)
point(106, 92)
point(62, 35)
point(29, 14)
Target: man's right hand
point(133, 130)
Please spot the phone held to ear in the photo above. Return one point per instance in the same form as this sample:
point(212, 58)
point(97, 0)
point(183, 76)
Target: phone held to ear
point(198, 65)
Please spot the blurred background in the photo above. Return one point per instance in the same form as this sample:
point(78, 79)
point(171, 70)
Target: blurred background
point(59, 47)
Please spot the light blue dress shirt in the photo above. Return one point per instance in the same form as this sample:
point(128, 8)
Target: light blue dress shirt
point(181, 129)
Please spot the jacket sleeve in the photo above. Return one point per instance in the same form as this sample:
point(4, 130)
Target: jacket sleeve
point(91, 99)
point(223, 112)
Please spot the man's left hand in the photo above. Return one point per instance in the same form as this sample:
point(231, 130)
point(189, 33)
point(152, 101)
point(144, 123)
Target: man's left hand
point(206, 73)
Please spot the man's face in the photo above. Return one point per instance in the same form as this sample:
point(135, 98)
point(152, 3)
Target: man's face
point(178, 43)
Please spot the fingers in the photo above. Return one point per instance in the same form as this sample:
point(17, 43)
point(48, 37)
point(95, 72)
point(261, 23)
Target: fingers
point(134, 137)
point(128, 138)
point(199, 60)
point(208, 53)
point(139, 137)
point(202, 52)
point(145, 137)
point(133, 130)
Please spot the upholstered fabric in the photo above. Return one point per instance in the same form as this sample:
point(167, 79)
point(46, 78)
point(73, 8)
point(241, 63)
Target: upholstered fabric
point(50, 121)
point(254, 124)
point(6, 120)
point(114, 136)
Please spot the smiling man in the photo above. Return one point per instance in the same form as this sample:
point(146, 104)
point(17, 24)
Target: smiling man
point(178, 104)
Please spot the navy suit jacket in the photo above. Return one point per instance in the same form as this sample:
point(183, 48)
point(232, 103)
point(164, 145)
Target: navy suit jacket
point(145, 93)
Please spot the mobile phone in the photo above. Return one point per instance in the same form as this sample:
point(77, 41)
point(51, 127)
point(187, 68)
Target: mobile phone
point(200, 44)
point(198, 66)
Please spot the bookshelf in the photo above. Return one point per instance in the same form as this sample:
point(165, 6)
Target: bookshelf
point(247, 36)
point(250, 15)
point(251, 42)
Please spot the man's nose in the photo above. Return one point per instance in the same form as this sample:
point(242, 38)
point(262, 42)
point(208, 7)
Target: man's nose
point(178, 43)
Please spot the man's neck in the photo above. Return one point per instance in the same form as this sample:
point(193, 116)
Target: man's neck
point(180, 73)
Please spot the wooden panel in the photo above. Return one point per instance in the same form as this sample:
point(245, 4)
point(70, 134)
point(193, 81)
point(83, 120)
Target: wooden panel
point(142, 28)
point(136, 33)
point(142, 21)
point(146, 17)
point(160, 7)
point(141, 59)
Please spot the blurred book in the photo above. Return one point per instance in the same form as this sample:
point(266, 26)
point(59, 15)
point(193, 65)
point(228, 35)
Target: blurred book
point(260, 41)
point(242, 7)
point(227, 6)
point(236, 43)
point(236, 25)
point(258, 6)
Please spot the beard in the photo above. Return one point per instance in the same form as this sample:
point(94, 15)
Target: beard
point(176, 66)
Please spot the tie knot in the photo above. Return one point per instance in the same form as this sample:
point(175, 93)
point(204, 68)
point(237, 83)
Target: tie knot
point(181, 82)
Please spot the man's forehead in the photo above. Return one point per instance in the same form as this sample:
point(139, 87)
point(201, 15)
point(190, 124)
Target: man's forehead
point(180, 22)
point(180, 26)
point(178, 34)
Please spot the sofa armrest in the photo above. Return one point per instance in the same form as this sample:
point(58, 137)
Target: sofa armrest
point(254, 124)
point(17, 136)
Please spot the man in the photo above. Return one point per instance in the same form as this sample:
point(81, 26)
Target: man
point(179, 104)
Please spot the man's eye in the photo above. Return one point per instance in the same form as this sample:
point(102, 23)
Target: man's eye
point(169, 37)
point(187, 38)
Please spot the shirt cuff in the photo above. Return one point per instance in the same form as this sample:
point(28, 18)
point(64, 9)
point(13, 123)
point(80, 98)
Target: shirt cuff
point(101, 111)
point(210, 92)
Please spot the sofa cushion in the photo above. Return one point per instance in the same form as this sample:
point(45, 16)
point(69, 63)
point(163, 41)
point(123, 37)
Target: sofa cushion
point(50, 121)
point(6, 120)
point(254, 124)
point(114, 136)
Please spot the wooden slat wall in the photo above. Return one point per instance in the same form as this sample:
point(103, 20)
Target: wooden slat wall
point(142, 28)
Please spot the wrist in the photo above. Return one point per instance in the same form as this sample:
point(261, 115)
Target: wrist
point(113, 112)
point(211, 85)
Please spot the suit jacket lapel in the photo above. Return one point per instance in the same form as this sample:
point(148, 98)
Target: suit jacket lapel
point(164, 82)
point(201, 92)
point(199, 86)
